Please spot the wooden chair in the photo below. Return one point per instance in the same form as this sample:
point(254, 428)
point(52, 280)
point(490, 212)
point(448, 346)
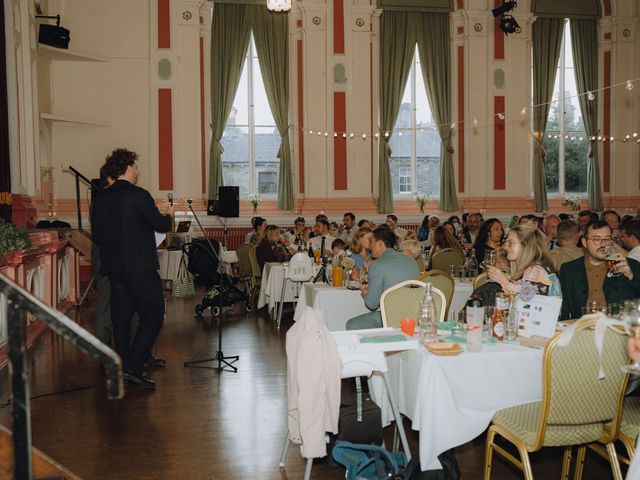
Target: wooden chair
point(575, 404)
point(443, 282)
point(402, 301)
point(445, 257)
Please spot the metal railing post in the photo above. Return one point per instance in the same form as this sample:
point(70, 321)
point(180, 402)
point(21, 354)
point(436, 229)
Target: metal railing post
point(78, 203)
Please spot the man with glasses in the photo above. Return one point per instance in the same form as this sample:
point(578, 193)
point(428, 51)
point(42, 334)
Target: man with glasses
point(585, 280)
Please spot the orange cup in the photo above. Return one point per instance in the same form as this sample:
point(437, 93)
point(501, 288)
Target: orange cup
point(337, 276)
point(408, 326)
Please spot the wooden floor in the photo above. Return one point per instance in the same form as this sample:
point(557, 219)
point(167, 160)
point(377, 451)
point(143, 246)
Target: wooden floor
point(201, 423)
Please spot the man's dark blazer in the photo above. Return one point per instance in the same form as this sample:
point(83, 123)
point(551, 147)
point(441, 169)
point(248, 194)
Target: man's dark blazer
point(575, 287)
point(124, 218)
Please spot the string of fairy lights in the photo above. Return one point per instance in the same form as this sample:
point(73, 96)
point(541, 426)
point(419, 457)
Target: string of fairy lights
point(521, 114)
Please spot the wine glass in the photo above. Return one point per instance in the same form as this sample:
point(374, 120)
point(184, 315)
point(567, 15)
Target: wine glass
point(363, 277)
point(489, 259)
point(611, 259)
point(631, 317)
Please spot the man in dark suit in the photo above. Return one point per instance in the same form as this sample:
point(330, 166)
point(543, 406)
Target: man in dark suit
point(125, 218)
point(585, 280)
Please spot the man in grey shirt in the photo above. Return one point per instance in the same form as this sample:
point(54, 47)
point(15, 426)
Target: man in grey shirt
point(389, 268)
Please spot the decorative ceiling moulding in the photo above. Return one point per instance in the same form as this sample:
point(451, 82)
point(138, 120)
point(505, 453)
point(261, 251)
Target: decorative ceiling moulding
point(567, 8)
point(417, 5)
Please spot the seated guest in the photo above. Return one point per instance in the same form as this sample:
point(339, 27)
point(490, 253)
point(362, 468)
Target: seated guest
point(550, 230)
point(360, 244)
point(489, 237)
point(613, 219)
point(631, 238)
point(320, 216)
point(364, 223)
point(450, 227)
point(423, 231)
point(565, 216)
point(268, 250)
point(487, 291)
point(389, 268)
point(300, 231)
point(254, 237)
point(470, 231)
point(567, 235)
point(400, 232)
point(434, 222)
point(322, 240)
point(412, 249)
point(584, 217)
point(338, 247)
point(455, 221)
point(530, 262)
point(585, 280)
point(442, 239)
point(333, 229)
point(348, 228)
point(513, 221)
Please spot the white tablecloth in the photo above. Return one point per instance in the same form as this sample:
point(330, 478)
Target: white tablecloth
point(451, 400)
point(337, 304)
point(461, 294)
point(271, 285)
point(169, 263)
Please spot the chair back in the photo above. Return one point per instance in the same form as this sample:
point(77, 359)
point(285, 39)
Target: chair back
point(244, 262)
point(573, 392)
point(255, 266)
point(445, 257)
point(443, 282)
point(402, 301)
point(480, 280)
point(300, 268)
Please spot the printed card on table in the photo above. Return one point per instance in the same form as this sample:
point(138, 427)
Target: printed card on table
point(538, 316)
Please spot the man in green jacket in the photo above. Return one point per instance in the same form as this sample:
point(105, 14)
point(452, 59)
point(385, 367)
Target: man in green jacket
point(585, 280)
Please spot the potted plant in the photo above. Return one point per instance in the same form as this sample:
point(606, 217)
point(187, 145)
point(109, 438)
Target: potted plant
point(12, 238)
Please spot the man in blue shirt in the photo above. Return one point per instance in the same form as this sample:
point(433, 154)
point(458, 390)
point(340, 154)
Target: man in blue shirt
point(389, 268)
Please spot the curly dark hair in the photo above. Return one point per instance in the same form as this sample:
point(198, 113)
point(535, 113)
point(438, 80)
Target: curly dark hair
point(119, 160)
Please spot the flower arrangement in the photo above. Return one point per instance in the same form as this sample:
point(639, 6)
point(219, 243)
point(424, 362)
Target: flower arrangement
point(421, 199)
point(347, 262)
point(12, 238)
point(255, 200)
point(572, 200)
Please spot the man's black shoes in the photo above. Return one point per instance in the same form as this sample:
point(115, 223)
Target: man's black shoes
point(155, 362)
point(139, 379)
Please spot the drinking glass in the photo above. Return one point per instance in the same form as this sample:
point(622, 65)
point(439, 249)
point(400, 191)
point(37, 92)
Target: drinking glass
point(487, 330)
point(364, 279)
point(631, 317)
point(452, 271)
point(610, 258)
point(489, 259)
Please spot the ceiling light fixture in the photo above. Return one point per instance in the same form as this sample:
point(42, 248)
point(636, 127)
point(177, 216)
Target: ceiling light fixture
point(279, 5)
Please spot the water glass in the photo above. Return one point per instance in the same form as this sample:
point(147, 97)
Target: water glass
point(474, 335)
point(487, 329)
point(457, 323)
point(452, 271)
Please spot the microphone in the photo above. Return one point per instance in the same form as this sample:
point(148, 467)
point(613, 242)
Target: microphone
point(170, 198)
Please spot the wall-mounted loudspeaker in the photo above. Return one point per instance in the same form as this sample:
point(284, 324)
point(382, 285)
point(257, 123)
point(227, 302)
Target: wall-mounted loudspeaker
point(229, 202)
point(54, 36)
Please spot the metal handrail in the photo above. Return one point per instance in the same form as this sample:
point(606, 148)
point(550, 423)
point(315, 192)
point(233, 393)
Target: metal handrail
point(20, 301)
point(79, 176)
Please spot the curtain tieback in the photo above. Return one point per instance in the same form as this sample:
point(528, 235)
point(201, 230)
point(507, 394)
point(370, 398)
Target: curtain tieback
point(591, 151)
point(218, 146)
point(539, 138)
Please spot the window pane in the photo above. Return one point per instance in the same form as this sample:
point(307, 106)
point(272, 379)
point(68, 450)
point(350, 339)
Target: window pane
point(551, 164)
point(401, 159)
point(235, 159)
point(267, 144)
point(262, 111)
point(428, 162)
point(240, 111)
point(575, 164)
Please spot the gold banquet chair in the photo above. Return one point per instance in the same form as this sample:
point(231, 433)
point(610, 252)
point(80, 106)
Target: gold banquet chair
point(575, 404)
point(445, 257)
point(256, 272)
point(402, 301)
point(443, 282)
point(480, 280)
point(244, 265)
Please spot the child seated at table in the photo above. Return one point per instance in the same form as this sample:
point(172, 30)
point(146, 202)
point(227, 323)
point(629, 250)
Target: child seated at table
point(337, 247)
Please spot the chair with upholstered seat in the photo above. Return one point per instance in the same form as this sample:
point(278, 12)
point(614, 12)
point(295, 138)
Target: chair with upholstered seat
point(255, 271)
point(443, 282)
point(402, 301)
point(576, 403)
point(244, 265)
point(445, 257)
point(480, 280)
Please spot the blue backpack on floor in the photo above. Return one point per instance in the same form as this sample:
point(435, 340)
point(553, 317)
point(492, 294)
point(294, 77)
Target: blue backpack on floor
point(369, 462)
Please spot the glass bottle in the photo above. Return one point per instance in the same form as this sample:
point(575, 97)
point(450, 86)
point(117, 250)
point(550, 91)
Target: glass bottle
point(511, 327)
point(473, 264)
point(427, 324)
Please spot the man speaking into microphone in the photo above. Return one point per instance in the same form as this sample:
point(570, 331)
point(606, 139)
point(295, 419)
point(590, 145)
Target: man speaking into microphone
point(124, 219)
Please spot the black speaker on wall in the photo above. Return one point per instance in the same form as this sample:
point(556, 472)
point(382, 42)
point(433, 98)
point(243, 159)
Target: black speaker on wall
point(228, 202)
point(54, 36)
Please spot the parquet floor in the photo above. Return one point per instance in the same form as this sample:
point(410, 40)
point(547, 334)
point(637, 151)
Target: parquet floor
point(201, 423)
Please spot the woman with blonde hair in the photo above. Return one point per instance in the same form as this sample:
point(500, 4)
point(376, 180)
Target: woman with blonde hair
point(530, 263)
point(268, 249)
point(411, 248)
point(442, 238)
point(359, 247)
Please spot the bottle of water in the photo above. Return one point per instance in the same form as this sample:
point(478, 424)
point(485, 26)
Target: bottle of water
point(427, 323)
point(473, 264)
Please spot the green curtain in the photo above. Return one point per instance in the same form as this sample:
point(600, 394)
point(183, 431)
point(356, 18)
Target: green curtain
point(584, 42)
point(229, 43)
point(433, 45)
point(271, 33)
point(397, 44)
point(547, 39)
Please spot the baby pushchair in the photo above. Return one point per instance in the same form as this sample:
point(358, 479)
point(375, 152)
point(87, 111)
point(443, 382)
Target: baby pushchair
point(203, 264)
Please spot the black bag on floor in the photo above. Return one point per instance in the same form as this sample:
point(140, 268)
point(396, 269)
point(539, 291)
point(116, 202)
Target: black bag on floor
point(360, 419)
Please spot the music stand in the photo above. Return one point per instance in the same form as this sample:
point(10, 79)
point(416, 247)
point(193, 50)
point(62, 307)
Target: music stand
point(223, 362)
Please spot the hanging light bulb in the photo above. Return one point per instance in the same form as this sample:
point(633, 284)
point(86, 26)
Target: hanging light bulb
point(628, 85)
point(310, 132)
point(376, 134)
point(501, 116)
point(590, 96)
point(351, 135)
point(523, 112)
point(475, 122)
point(599, 138)
point(627, 136)
point(335, 134)
point(611, 139)
point(453, 125)
point(344, 135)
point(386, 134)
point(319, 133)
point(326, 134)
point(400, 133)
point(635, 134)
point(580, 138)
point(364, 136)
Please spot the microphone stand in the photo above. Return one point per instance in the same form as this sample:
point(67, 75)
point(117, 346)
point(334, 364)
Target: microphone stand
point(223, 362)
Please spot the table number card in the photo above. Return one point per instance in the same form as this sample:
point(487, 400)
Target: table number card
point(538, 316)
